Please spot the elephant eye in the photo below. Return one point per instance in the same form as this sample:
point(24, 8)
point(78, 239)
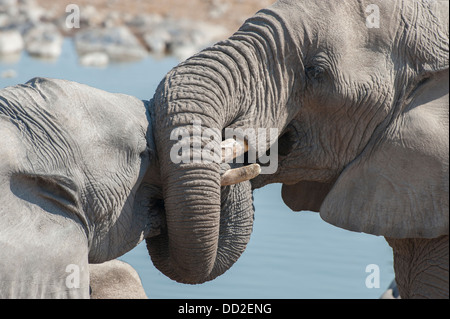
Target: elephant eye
point(315, 72)
point(286, 143)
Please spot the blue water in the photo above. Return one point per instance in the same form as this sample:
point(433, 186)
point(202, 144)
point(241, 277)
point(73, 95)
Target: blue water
point(290, 254)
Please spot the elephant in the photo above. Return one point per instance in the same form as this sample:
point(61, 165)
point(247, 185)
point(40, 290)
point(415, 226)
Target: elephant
point(357, 92)
point(80, 184)
point(115, 279)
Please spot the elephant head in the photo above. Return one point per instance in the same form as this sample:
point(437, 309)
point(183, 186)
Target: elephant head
point(72, 160)
point(361, 110)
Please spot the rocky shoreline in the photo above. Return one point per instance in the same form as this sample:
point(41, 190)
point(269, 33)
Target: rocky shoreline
point(102, 34)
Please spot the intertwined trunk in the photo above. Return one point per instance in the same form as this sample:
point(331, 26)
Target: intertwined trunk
point(232, 84)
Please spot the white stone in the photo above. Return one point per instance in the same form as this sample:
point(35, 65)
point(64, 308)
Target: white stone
point(118, 43)
point(8, 74)
point(190, 37)
point(157, 40)
point(94, 59)
point(44, 40)
point(142, 23)
point(11, 42)
point(8, 3)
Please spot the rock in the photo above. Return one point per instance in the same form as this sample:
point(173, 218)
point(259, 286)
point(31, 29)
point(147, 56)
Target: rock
point(189, 38)
point(119, 35)
point(112, 19)
point(30, 11)
point(6, 5)
point(94, 59)
point(8, 74)
point(143, 23)
point(21, 16)
point(44, 41)
point(90, 17)
point(11, 42)
point(8, 8)
point(86, 17)
point(117, 42)
point(181, 38)
point(150, 28)
point(218, 9)
point(115, 279)
point(157, 40)
point(5, 20)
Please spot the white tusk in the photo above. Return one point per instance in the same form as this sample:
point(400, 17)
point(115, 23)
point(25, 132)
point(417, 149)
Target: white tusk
point(232, 149)
point(241, 174)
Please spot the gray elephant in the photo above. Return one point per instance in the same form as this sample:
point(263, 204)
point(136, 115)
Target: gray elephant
point(79, 184)
point(358, 91)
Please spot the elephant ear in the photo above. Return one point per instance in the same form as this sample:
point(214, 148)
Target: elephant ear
point(399, 187)
point(426, 43)
point(305, 195)
point(51, 192)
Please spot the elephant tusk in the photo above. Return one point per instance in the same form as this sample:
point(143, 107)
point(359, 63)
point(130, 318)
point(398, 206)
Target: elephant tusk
point(232, 149)
point(241, 174)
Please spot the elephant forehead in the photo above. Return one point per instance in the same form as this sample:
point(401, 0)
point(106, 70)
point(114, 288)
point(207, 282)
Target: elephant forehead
point(64, 121)
point(117, 120)
point(91, 116)
point(110, 127)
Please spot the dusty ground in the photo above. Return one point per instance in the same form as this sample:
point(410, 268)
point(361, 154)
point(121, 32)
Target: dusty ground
point(229, 13)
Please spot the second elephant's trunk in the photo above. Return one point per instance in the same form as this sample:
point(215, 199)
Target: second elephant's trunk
point(191, 189)
point(234, 230)
point(230, 85)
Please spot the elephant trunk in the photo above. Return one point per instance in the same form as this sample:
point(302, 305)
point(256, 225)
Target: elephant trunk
point(235, 227)
point(191, 187)
point(187, 252)
point(222, 86)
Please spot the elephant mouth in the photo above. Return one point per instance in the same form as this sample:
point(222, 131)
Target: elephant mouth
point(152, 203)
point(156, 206)
point(287, 144)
